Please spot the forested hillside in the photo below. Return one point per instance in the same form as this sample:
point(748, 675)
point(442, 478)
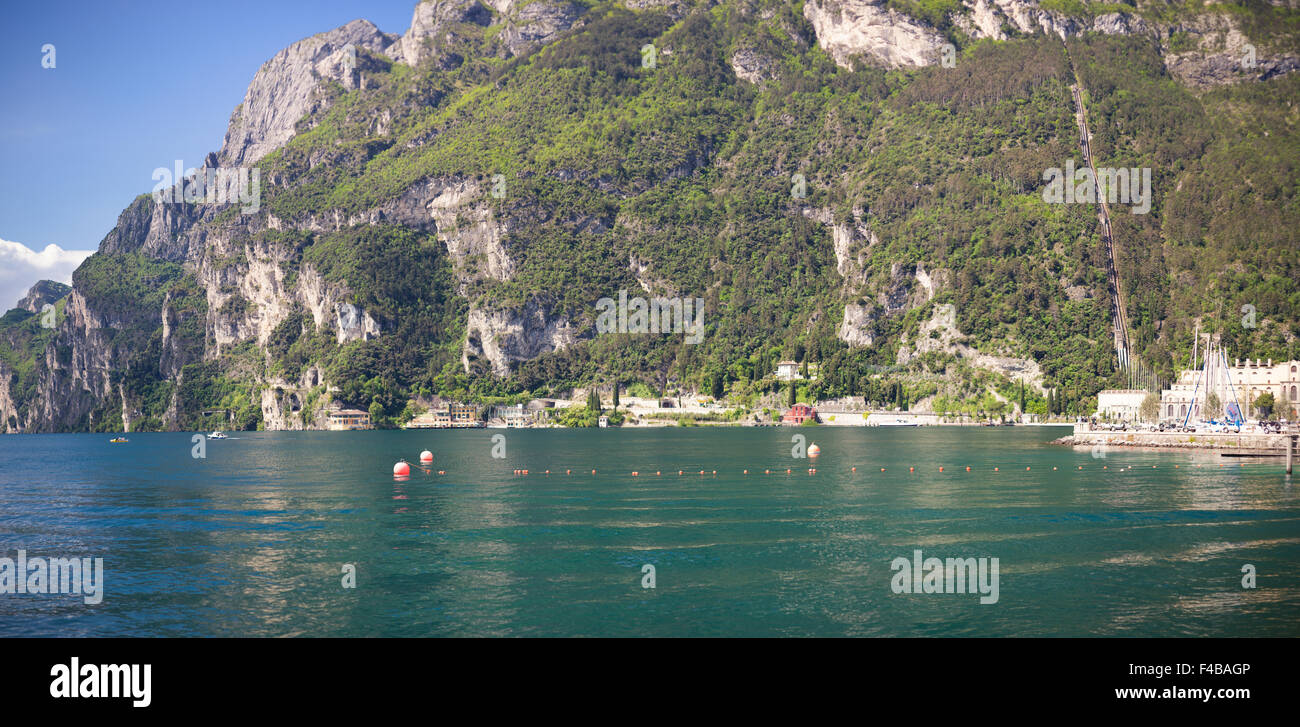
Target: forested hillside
point(883, 222)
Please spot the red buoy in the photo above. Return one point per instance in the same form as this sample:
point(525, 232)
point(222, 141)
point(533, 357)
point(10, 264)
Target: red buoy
point(426, 457)
point(401, 469)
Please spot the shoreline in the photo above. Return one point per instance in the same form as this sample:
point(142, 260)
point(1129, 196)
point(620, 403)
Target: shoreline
point(1253, 444)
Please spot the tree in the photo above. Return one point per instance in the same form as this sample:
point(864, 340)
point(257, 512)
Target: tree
point(719, 385)
point(593, 400)
point(1264, 404)
point(1214, 408)
point(1150, 409)
point(615, 394)
point(998, 407)
point(1022, 396)
point(376, 413)
point(1284, 405)
point(792, 394)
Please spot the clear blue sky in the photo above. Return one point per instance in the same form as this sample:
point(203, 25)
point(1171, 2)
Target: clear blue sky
point(137, 85)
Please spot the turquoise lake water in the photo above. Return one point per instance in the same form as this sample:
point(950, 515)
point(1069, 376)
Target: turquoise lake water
point(252, 539)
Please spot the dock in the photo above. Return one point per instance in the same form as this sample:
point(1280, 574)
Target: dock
point(1254, 443)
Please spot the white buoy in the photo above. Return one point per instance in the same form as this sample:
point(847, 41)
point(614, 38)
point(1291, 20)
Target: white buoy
point(814, 450)
point(426, 457)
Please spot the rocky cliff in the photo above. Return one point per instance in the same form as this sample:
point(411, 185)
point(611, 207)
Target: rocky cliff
point(43, 293)
point(1203, 49)
point(439, 208)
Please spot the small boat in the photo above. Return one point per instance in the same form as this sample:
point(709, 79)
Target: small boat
point(118, 440)
point(218, 435)
point(898, 423)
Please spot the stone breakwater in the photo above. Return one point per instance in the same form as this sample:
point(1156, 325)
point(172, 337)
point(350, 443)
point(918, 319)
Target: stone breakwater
point(1244, 443)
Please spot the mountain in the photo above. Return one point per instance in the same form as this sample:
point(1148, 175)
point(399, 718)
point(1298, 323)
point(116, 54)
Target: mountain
point(855, 183)
point(43, 293)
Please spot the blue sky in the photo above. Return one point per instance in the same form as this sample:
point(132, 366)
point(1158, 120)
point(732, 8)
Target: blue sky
point(136, 86)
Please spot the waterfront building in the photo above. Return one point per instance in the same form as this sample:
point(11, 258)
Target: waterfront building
point(346, 419)
point(1121, 404)
point(455, 415)
point(1240, 383)
point(798, 414)
point(432, 419)
point(463, 415)
point(512, 415)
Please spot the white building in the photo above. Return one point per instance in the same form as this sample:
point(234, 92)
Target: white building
point(513, 416)
point(787, 371)
point(1242, 382)
point(1121, 404)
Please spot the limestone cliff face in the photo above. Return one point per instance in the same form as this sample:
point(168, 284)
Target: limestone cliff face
point(252, 284)
point(1223, 54)
point(244, 282)
point(940, 333)
point(868, 30)
point(467, 225)
point(440, 28)
point(433, 26)
point(530, 24)
point(504, 337)
point(78, 368)
point(847, 28)
point(154, 229)
point(8, 407)
point(44, 292)
point(286, 88)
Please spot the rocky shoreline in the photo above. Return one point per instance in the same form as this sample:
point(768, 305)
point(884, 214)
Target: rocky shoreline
point(1242, 443)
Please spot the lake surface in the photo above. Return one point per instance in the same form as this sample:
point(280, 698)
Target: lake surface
point(252, 539)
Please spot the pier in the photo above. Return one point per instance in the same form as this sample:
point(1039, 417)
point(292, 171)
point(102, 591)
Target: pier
point(1256, 443)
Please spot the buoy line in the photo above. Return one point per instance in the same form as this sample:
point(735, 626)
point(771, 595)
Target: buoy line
point(403, 468)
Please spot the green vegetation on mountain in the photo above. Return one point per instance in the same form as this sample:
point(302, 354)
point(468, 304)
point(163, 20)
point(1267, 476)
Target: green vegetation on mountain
point(681, 179)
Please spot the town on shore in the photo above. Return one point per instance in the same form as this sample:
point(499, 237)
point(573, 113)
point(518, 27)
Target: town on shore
point(1251, 397)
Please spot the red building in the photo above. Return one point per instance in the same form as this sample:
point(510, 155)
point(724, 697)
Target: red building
point(798, 414)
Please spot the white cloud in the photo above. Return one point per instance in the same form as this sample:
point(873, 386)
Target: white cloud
point(21, 267)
